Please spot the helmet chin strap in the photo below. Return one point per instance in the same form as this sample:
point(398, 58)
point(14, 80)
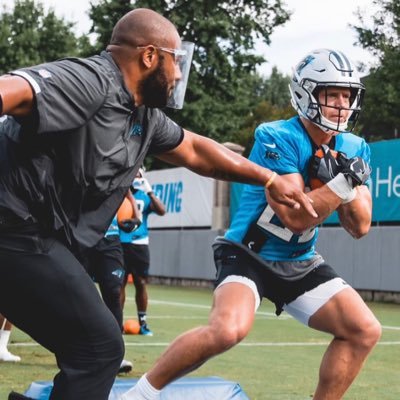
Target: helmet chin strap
point(331, 128)
point(326, 130)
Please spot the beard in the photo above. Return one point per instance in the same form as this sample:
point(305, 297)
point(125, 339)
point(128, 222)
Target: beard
point(154, 88)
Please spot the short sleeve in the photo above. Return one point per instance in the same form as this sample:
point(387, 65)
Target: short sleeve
point(365, 153)
point(273, 150)
point(67, 92)
point(167, 134)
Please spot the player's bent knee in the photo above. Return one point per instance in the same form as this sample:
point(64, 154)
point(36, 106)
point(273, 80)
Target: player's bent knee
point(367, 335)
point(112, 295)
point(229, 335)
point(372, 333)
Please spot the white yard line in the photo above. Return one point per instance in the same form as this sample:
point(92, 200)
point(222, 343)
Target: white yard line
point(394, 328)
point(191, 305)
point(178, 304)
point(202, 306)
point(255, 344)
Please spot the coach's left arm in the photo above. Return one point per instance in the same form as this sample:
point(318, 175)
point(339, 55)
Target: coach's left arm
point(209, 158)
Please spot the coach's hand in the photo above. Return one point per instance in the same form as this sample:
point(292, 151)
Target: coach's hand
point(288, 194)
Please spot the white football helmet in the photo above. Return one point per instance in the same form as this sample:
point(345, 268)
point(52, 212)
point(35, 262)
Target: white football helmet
point(321, 69)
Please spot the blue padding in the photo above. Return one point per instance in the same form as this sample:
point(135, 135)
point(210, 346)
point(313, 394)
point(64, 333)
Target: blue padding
point(208, 388)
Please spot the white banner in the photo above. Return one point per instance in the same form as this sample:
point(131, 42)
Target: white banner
point(188, 198)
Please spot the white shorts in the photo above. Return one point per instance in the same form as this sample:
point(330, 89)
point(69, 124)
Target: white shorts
point(310, 302)
point(305, 305)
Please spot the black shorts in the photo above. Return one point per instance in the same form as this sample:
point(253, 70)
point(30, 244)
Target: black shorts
point(105, 261)
point(231, 260)
point(137, 259)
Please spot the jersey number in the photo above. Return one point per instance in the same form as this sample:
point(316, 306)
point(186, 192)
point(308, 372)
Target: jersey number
point(282, 233)
point(140, 205)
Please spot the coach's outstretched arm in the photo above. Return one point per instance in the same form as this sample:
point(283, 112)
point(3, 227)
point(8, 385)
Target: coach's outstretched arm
point(209, 158)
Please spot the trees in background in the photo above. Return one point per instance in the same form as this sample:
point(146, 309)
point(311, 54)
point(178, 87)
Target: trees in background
point(226, 98)
point(380, 118)
point(30, 36)
point(104, 14)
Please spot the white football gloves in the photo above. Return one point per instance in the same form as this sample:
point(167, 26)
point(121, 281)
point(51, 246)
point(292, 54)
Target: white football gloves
point(143, 185)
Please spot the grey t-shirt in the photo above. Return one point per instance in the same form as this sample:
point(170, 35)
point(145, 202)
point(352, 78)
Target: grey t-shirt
point(288, 270)
point(69, 165)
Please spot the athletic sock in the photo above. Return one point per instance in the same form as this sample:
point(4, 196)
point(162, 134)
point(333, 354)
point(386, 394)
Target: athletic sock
point(142, 317)
point(4, 338)
point(5, 355)
point(143, 390)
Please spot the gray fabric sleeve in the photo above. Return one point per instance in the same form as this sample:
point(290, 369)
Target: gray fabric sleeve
point(67, 93)
point(167, 136)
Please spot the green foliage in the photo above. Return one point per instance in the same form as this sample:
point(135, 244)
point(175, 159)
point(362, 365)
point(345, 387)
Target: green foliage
point(380, 118)
point(225, 99)
point(276, 89)
point(223, 84)
point(30, 36)
point(104, 15)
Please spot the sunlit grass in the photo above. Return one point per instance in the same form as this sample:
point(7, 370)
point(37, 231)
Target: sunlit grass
point(264, 371)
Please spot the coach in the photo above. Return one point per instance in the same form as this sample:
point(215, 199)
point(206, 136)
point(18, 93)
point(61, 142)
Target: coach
point(74, 134)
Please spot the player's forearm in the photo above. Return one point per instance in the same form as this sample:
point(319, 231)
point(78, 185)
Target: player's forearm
point(325, 202)
point(156, 204)
point(356, 216)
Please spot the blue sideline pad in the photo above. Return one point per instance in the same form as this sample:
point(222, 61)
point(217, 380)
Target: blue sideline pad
point(207, 388)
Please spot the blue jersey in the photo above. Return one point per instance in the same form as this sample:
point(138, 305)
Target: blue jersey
point(141, 234)
point(284, 147)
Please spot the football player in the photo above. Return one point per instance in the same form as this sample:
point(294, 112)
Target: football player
point(135, 245)
point(269, 249)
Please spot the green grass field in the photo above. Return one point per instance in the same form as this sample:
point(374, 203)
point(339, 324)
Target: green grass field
point(279, 360)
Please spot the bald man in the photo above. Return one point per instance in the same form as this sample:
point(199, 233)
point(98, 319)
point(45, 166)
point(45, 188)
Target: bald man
point(73, 136)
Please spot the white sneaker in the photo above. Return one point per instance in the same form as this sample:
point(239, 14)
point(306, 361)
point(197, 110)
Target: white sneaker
point(6, 356)
point(126, 366)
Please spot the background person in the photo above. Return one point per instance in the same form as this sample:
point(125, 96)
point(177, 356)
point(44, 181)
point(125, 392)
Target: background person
point(105, 265)
point(135, 246)
point(74, 134)
point(269, 249)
